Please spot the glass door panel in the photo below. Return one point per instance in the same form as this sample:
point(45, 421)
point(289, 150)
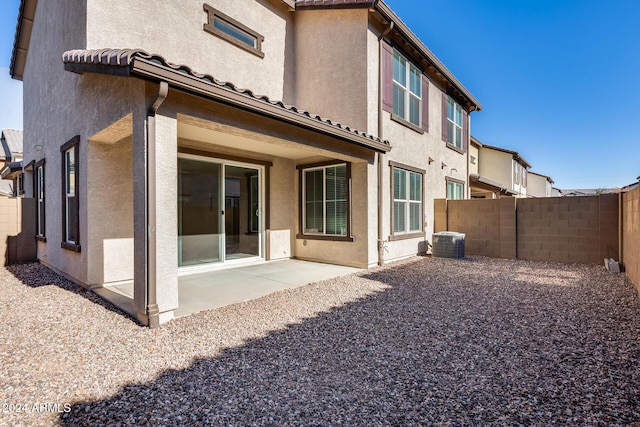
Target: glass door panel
point(242, 212)
point(199, 212)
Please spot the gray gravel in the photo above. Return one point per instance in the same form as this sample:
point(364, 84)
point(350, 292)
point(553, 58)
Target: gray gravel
point(426, 341)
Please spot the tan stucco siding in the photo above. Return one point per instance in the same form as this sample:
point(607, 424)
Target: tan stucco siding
point(538, 186)
point(59, 105)
point(331, 65)
point(414, 149)
point(174, 29)
point(497, 166)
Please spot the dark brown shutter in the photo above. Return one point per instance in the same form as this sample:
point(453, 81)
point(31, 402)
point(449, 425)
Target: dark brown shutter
point(465, 131)
point(445, 130)
point(425, 103)
point(387, 77)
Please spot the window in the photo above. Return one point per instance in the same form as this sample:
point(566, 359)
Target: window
point(454, 123)
point(516, 173)
point(407, 89)
point(524, 176)
point(455, 190)
point(234, 32)
point(325, 200)
point(472, 160)
point(407, 200)
point(70, 214)
point(39, 196)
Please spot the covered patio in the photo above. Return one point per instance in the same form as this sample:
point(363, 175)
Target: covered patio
point(214, 289)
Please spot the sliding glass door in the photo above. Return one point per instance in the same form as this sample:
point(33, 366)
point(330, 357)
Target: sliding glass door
point(219, 211)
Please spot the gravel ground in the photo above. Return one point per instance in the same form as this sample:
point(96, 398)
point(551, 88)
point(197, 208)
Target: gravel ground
point(426, 341)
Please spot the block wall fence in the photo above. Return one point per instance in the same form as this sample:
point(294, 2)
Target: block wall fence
point(18, 230)
point(558, 229)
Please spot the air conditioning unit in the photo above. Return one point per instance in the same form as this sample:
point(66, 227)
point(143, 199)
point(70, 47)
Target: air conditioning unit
point(448, 244)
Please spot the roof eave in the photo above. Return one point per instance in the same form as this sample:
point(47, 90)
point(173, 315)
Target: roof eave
point(22, 37)
point(126, 63)
point(151, 70)
point(390, 15)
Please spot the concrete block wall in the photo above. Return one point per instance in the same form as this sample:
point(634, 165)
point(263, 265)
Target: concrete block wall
point(17, 229)
point(572, 230)
point(631, 235)
point(489, 224)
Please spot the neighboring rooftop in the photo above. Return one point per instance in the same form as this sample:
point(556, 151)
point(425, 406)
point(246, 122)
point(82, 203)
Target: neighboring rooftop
point(11, 144)
point(548, 178)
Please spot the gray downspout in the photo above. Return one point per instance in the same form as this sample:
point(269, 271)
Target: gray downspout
point(153, 314)
point(380, 156)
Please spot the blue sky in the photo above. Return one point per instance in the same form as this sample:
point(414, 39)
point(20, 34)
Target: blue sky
point(558, 79)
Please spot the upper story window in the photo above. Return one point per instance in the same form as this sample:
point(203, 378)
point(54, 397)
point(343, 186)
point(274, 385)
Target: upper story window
point(454, 123)
point(407, 89)
point(234, 32)
point(516, 173)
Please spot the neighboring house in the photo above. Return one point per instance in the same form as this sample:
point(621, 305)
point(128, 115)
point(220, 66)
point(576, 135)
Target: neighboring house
point(539, 185)
point(556, 192)
point(499, 172)
point(12, 183)
point(579, 192)
point(164, 151)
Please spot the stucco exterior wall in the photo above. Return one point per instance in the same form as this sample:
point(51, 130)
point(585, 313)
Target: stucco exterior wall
point(110, 211)
point(497, 166)
point(59, 105)
point(331, 64)
point(414, 149)
point(538, 186)
point(174, 29)
point(474, 157)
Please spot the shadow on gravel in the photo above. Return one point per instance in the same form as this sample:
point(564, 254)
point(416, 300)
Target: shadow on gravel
point(36, 275)
point(466, 347)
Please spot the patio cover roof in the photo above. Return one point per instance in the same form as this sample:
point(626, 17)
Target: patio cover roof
point(138, 63)
point(490, 184)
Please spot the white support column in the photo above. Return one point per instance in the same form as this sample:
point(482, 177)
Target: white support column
point(163, 202)
point(139, 167)
point(155, 148)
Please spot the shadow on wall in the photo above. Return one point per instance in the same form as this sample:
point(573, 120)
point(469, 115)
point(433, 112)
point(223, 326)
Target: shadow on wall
point(448, 341)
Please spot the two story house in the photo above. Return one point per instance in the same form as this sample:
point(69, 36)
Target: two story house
point(539, 185)
point(12, 182)
point(497, 172)
point(166, 138)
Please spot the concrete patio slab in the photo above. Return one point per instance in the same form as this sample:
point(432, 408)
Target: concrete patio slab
point(214, 289)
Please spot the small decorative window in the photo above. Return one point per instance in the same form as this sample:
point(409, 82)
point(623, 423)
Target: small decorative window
point(234, 32)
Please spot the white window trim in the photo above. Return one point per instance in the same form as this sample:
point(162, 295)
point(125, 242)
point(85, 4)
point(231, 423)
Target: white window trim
point(40, 197)
point(452, 135)
point(408, 94)
point(68, 194)
point(408, 202)
point(324, 201)
point(455, 183)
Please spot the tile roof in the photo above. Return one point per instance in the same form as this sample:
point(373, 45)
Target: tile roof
point(11, 142)
point(333, 3)
point(123, 59)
